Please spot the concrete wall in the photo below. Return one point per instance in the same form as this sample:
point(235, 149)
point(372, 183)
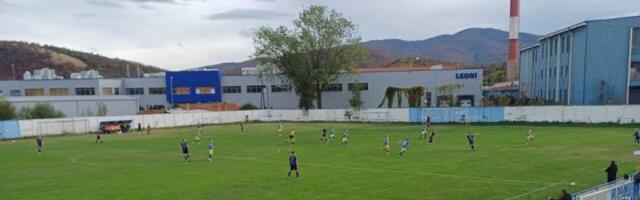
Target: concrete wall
point(585, 114)
point(81, 106)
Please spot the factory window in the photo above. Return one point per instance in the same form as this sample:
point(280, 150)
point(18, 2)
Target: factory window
point(158, 91)
point(635, 46)
point(281, 88)
point(232, 89)
point(85, 91)
point(0, 92)
point(134, 91)
point(333, 87)
point(15, 93)
point(34, 92)
point(255, 88)
point(116, 91)
point(205, 90)
point(181, 91)
point(58, 92)
point(635, 71)
point(543, 52)
point(361, 86)
point(107, 91)
point(562, 45)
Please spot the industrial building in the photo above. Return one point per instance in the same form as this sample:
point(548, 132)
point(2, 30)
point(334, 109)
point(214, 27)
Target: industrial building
point(594, 62)
point(125, 96)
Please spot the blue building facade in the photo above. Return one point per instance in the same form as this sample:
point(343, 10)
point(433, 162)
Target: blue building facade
point(591, 63)
point(193, 87)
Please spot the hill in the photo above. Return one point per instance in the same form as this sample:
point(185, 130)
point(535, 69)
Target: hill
point(29, 56)
point(474, 45)
point(469, 47)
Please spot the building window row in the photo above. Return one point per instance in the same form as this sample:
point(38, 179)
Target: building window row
point(231, 89)
point(255, 88)
point(134, 91)
point(157, 91)
point(205, 90)
point(85, 91)
point(361, 86)
point(59, 92)
point(334, 87)
point(281, 88)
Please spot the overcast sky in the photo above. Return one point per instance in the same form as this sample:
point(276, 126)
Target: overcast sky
point(179, 34)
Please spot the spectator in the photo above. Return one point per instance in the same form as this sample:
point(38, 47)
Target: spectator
point(625, 177)
point(636, 178)
point(565, 196)
point(612, 170)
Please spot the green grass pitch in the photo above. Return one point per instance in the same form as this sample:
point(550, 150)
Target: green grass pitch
point(255, 165)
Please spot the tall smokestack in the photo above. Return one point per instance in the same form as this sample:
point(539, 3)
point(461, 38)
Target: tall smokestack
point(513, 70)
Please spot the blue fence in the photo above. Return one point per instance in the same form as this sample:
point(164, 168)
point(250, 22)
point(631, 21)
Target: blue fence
point(473, 114)
point(9, 129)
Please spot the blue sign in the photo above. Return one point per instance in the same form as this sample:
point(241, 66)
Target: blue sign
point(472, 75)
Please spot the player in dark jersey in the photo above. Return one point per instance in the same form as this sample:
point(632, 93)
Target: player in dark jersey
point(323, 139)
point(293, 165)
point(241, 128)
point(433, 134)
point(636, 136)
point(40, 143)
point(470, 139)
point(148, 129)
point(184, 145)
point(98, 138)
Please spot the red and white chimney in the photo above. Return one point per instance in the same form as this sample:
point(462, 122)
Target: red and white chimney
point(513, 70)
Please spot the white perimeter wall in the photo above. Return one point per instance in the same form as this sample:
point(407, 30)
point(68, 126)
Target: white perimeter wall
point(584, 114)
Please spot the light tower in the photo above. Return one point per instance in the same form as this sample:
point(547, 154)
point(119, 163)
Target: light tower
point(513, 69)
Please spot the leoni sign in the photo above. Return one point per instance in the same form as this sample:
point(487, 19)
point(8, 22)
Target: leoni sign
point(472, 75)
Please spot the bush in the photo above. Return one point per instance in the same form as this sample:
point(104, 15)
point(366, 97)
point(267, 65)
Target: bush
point(40, 111)
point(504, 101)
point(7, 111)
point(248, 106)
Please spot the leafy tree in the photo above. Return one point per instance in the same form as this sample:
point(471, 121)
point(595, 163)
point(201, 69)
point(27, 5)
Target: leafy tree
point(356, 98)
point(321, 45)
point(102, 109)
point(7, 111)
point(504, 100)
point(40, 111)
point(415, 95)
point(445, 93)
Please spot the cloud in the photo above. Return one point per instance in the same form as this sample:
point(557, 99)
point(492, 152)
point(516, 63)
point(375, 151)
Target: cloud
point(246, 14)
point(247, 33)
point(105, 3)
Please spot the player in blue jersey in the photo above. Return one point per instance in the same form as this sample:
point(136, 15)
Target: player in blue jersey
point(386, 143)
point(40, 143)
point(471, 140)
point(405, 145)
point(184, 145)
point(293, 165)
point(212, 149)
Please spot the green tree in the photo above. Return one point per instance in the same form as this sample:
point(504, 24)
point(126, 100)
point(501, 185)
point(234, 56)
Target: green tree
point(321, 45)
point(356, 98)
point(102, 109)
point(40, 111)
point(7, 111)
